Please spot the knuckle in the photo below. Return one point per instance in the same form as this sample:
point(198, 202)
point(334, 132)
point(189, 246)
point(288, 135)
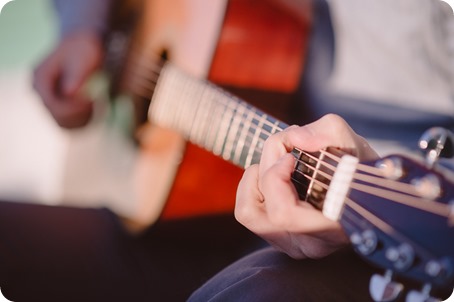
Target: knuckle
point(242, 214)
point(335, 120)
point(273, 139)
point(277, 143)
point(339, 126)
point(239, 211)
point(291, 128)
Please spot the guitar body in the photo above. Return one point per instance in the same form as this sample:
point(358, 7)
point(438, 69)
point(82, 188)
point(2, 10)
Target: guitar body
point(253, 47)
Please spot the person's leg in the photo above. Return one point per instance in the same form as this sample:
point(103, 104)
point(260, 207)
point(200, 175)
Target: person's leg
point(70, 254)
point(63, 254)
point(186, 253)
point(269, 275)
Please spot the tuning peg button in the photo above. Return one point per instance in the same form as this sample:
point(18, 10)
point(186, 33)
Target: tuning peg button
point(383, 289)
point(441, 269)
point(365, 242)
point(434, 268)
point(437, 142)
point(421, 296)
point(428, 186)
point(391, 167)
point(401, 256)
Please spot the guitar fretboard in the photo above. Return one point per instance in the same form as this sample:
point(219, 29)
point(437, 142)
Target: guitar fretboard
point(211, 117)
point(227, 126)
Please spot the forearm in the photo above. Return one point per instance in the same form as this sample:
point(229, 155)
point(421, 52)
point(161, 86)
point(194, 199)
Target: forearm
point(83, 15)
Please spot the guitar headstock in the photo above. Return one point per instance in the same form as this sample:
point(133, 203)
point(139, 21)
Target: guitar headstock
point(402, 220)
point(399, 215)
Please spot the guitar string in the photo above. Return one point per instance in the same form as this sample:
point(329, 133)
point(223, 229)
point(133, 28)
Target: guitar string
point(147, 90)
point(140, 66)
point(416, 202)
point(149, 60)
point(406, 193)
point(226, 103)
point(407, 196)
point(423, 204)
point(412, 201)
point(143, 71)
point(377, 177)
point(155, 68)
point(153, 80)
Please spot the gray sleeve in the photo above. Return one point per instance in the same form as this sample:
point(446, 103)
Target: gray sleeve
point(75, 15)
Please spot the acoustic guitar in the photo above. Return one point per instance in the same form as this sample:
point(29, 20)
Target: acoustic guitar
point(397, 211)
point(254, 48)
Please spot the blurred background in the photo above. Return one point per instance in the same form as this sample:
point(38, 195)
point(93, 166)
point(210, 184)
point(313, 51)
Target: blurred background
point(32, 147)
point(39, 162)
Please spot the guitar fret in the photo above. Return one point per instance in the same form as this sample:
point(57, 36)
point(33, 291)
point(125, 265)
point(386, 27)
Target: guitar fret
point(155, 108)
point(263, 136)
point(275, 127)
point(216, 116)
point(228, 142)
point(315, 172)
point(210, 117)
point(179, 100)
point(224, 127)
point(172, 114)
point(255, 141)
point(236, 128)
point(241, 143)
point(210, 120)
point(246, 147)
point(176, 100)
point(194, 130)
point(160, 99)
point(186, 108)
point(203, 117)
point(178, 94)
point(268, 127)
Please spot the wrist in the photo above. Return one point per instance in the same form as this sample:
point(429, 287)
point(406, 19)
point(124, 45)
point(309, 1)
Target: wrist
point(83, 16)
point(84, 39)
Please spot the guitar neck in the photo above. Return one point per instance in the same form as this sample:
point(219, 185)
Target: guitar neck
point(211, 117)
point(233, 129)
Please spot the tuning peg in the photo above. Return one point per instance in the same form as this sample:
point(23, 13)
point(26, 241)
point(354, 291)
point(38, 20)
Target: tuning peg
point(437, 142)
point(421, 296)
point(383, 289)
point(365, 242)
point(402, 256)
